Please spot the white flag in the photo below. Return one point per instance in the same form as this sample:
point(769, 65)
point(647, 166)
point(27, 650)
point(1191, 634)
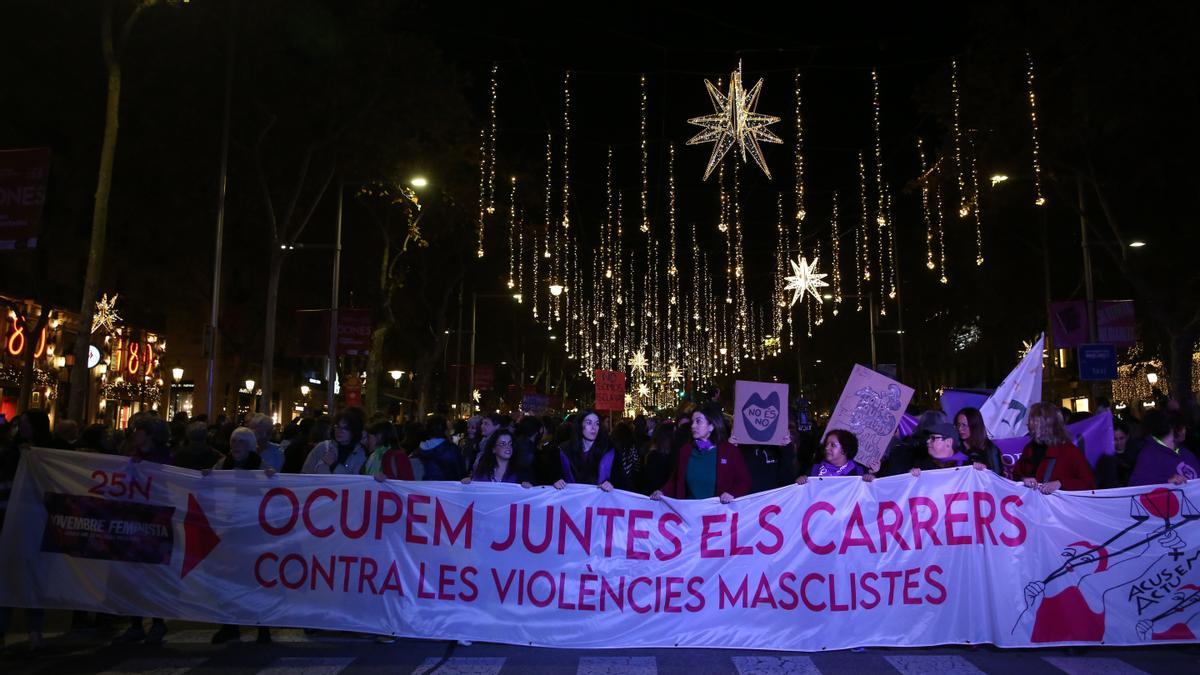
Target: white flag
point(1006, 410)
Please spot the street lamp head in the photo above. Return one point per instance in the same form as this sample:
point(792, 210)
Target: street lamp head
point(998, 179)
point(1137, 243)
point(304, 389)
point(556, 290)
point(249, 386)
point(419, 182)
point(396, 374)
point(177, 374)
point(1152, 378)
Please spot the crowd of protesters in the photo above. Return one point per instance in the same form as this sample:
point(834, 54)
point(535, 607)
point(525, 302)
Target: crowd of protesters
point(688, 455)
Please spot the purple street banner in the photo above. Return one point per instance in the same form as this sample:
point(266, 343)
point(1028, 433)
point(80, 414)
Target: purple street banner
point(954, 556)
point(870, 407)
point(759, 413)
point(1116, 323)
point(23, 178)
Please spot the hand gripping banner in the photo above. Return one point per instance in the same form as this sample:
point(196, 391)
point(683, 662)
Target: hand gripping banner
point(951, 556)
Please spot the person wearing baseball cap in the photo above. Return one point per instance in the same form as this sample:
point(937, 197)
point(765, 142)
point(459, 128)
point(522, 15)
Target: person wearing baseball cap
point(940, 452)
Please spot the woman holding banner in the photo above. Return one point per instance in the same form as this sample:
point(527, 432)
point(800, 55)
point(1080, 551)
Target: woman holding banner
point(841, 447)
point(589, 457)
point(973, 440)
point(496, 461)
point(1051, 461)
point(708, 466)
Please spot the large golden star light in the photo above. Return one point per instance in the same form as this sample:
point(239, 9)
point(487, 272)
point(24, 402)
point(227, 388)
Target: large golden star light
point(804, 280)
point(674, 374)
point(735, 121)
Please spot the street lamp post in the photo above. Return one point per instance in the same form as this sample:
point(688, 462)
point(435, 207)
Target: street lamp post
point(176, 376)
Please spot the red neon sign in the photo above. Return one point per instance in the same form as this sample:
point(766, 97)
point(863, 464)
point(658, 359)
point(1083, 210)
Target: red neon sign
point(15, 344)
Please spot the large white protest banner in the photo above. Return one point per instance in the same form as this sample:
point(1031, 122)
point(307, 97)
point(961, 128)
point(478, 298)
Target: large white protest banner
point(870, 407)
point(951, 556)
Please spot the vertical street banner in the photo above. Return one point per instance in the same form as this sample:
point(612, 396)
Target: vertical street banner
point(759, 413)
point(610, 390)
point(23, 178)
point(870, 407)
point(952, 556)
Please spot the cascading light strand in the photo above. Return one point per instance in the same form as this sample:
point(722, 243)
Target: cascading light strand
point(975, 210)
point(959, 168)
point(1039, 198)
point(801, 210)
point(835, 254)
point(645, 227)
point(941, 233)
point(925, 177)
point(512, 234)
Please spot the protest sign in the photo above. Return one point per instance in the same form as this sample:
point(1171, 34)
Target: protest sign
point(834, 564)
point(610, 390)
point(870, 407)
point(759, 413)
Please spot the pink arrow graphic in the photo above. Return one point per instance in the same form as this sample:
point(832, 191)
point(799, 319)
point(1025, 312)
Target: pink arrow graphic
point(199, 539)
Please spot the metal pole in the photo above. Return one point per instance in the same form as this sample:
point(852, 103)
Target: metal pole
point(1049, 388)
point(1094, 387)
point(871, 328)
point(331, 367)
point(458, 353)
point(210, 333)
point(474, 300)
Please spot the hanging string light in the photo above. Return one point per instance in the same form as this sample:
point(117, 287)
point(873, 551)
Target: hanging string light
point(512, 234)
point(552, 243)
point(959, 169)
point(645, 162)
point(941, 232)
point(1040, 199)
point(799, 195)
point(566, 162)
point(835, 250)
point(863, 234)
point(891, 237)
point(781, 256)
point(881, 239)
point(674, 324)
point(975, 210)
point(740, 265)
point(925, 177)
point(487, 164)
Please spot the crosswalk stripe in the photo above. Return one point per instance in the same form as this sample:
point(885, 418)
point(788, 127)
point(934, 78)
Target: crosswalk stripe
point(1088, 665)
point(931, 664)
point(161, 666)
point(775, 665)
point(617, 665)
point(462, 665)
point(300, 665)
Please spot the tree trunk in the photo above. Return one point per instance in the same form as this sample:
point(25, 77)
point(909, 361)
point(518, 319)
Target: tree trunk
point(91, 283)
point(1180, 367)
point(268, 364)
point(375, 366)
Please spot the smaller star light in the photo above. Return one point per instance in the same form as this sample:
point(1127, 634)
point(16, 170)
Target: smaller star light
point(628, 399)
point(639, 362)
point(643, 390)
point(106, 313)
point(674, 374)
point(475, 396)
point(805, 279)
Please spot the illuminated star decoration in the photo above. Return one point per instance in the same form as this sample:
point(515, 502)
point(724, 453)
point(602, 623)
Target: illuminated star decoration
point(643, 390)
point(674, 374)
point(475, 395)
point(804, 280)
point(639, 362)
point(735, 122)
point(105, 313)
point(628, 399)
